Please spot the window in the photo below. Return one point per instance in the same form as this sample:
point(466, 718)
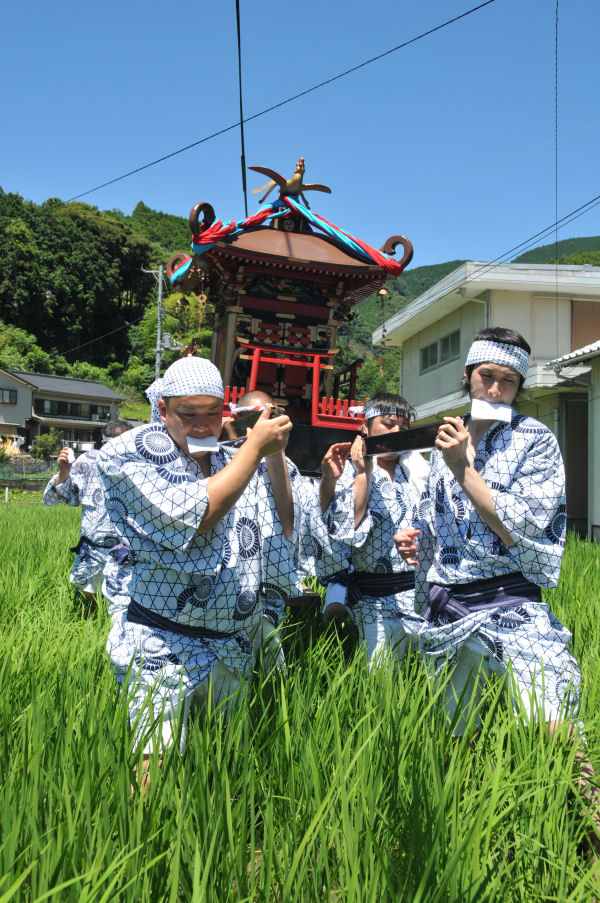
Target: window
point(441, 352)
point(449, 347)
point(428, 357)
point(99, 411)
point(8, 396)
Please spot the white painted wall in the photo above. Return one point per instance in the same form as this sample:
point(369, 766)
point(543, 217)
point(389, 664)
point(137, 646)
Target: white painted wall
point(594, 447)
point(10, 413)
point(545, 321)
point(417, 389)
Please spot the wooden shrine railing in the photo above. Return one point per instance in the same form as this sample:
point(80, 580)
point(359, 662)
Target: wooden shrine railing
point(233, 395)
point(333, 412)
point(328, 412)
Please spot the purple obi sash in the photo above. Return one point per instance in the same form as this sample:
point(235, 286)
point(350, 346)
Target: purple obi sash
point(460, 599)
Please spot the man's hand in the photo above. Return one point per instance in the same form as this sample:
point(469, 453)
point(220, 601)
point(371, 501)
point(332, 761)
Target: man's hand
point(407, 546)
point(270, 434)
point(453, 442)
point(64, 464)
point(332, 467)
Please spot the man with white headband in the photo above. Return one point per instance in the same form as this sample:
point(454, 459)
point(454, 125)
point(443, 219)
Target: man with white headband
point(203, 546)
point(494, 515)
point(371, 500)
point(78, 483)
point(278, 474)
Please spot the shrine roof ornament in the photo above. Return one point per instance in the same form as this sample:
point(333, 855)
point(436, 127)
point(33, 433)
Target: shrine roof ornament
point(294, 186)
point(290, 207)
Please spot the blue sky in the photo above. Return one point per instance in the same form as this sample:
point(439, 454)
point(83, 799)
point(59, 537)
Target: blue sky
point(449, 141)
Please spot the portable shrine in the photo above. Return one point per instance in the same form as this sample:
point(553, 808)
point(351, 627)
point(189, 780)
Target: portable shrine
point(281, 282)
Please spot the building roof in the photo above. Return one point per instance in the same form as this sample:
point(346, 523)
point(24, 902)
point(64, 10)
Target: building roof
point(19, 379)
point(468, 281)
point(580, 354)
point(65, 385)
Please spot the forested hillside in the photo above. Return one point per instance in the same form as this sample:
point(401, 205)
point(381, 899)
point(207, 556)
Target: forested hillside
point(561, 252)
point(74, 299)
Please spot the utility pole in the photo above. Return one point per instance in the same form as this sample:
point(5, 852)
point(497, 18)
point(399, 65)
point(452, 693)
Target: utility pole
point(159, 344)
point(158, 274)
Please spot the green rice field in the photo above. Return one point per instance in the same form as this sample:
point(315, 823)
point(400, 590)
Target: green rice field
point(332, 784)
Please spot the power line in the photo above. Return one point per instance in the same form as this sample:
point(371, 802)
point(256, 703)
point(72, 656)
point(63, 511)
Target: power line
point(282, 103)
point(530, 242)
point(243, 156)
point(98, 338)
point(526, 244)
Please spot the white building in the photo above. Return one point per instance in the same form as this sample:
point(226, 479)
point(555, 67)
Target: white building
point(588, 357)
point(33, 403)
point(556, 308)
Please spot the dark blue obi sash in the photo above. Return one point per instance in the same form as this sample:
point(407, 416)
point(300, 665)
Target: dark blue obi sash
point(137, 614)
point(460, 599)
point(83, 541)
point(364, 583)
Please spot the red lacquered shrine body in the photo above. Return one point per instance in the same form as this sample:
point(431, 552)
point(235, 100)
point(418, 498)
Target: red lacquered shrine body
point(280, 292)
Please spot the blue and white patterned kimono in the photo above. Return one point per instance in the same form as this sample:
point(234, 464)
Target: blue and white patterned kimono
point(389, 620)
point(93, 562)
point(313, 551)
point(521, 463)
point(214, 585)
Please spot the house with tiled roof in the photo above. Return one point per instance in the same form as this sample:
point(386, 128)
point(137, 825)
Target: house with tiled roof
point(33, 403)
point(555, 307)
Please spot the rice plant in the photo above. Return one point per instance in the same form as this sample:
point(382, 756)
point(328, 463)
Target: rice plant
point(330, 784)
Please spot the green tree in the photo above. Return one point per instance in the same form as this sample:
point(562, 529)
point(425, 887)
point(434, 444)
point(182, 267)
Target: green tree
point(379, 374)
point(580, 258)
point(46, 445)
point(19, 350)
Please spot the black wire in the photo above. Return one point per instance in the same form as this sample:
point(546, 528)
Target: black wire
point(91, 342)
point(243, 157)
point(282, 103)
point(524, 245)
point(556, 127)
point(529, 242)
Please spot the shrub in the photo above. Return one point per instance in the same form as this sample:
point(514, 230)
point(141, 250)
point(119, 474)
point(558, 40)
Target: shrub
point(45, 445)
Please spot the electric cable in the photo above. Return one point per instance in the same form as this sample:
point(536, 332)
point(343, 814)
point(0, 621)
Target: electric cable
point(98, 338)
point(282, 103)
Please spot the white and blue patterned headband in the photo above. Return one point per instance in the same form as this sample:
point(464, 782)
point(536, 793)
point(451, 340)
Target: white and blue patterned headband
point(188, 376)
point(245, 409)
point(385, 410)
point(153, 393)
point(192, 376)
point(485, 352)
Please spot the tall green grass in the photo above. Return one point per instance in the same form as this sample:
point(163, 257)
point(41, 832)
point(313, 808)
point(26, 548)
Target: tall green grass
point(332, 784)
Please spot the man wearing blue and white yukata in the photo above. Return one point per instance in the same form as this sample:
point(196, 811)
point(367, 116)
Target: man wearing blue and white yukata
point(494, 515)
point(298, 501)
point(101, 563)
point(279, 476)
point(204, 546)
point(372, 500)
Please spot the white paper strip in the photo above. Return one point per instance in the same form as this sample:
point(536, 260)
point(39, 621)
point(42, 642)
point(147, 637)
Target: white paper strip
point(208, 443)
point(485, 410)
